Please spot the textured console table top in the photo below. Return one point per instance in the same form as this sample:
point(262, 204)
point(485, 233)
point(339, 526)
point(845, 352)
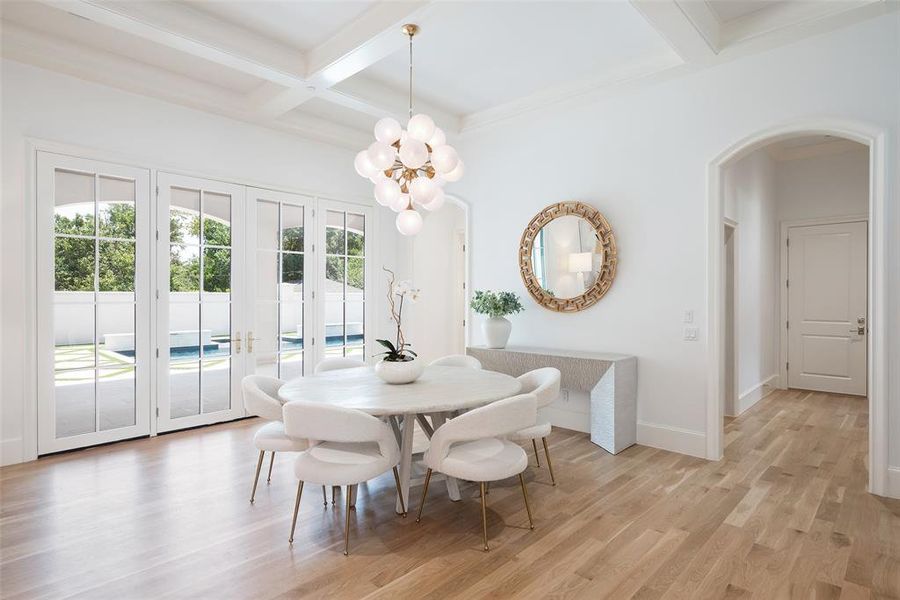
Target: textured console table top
point(607, 356)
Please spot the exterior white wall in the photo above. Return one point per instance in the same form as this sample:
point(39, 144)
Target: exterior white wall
point(43, 105)
point(750, 201)
point(641, 158)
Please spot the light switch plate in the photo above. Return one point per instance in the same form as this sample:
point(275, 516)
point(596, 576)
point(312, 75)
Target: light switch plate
point(691, 334)
point(688, 316)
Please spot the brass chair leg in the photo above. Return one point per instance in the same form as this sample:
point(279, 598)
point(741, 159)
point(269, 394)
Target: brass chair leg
point(484, 518)
point(527, 506)
point(262, 454)
point(347, 526)
point(324, 497)
point(271, 462)
point(549, 464)
point(296, 509)
point(424, 493)
point(399, 492)
point(334, 490)
point(536, 455)
point(351, 496)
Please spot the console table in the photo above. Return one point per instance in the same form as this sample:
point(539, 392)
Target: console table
point(610, 380)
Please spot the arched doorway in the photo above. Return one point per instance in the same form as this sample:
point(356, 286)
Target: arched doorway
point(877, 343)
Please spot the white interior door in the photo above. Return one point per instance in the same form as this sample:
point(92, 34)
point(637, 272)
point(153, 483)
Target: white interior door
point(93, 302)
point(827, 271)
point(279, 250)
point(201, 290)
point(343, 266)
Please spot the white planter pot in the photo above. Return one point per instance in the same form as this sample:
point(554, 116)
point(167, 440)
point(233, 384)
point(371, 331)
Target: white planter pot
point(399, 372)
point(496, 331)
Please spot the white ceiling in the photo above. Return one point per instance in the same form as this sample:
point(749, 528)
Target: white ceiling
point(471, 57)
point(329, 69)
point(301, 25)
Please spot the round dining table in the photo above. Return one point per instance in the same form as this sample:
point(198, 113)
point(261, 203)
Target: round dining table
point(439, 394)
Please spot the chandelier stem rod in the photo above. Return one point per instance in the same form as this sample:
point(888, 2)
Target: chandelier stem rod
point(410, 75)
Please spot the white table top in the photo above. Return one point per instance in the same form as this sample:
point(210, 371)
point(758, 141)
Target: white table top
point(439, 389)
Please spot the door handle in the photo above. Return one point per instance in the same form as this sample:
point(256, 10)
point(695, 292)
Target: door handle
point(861, 330)
point(250, 340)
point(236, 340)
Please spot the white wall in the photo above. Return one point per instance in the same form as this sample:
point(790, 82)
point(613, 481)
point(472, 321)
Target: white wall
point(750, 201)
point(435, 273)
point(641, 158)
point(834, 185)
point(45, 105)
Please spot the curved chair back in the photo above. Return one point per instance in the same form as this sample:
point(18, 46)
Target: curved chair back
point(543, 383)
point(329, 423)
point(494, 420)
point(261, 396)
point(457, 360)
point(338, 362)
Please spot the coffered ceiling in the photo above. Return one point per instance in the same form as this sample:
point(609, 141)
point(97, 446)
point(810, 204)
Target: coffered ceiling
point(328, 70)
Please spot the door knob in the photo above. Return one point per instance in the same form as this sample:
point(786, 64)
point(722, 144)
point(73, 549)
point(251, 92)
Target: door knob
point(250, 340)
point(236, 340)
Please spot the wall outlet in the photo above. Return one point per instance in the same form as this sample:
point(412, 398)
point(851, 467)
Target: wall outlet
point(691, 334)
point(688, 316)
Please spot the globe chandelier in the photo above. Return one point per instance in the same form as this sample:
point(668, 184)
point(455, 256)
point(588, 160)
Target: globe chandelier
point(409, 167)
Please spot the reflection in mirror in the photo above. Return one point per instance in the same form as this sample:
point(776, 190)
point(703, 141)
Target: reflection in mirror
point(567, 256)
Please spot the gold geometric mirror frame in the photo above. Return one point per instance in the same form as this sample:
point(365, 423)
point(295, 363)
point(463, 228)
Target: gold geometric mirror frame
point(605, 238)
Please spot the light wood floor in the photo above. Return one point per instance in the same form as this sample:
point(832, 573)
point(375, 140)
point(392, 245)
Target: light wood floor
point(785, 514)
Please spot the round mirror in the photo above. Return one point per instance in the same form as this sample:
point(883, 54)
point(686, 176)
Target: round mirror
point(567, 256)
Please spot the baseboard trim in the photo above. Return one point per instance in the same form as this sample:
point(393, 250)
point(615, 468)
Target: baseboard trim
point(11, 452)
point(675, 439)
point(893, 482)
point(756, 393)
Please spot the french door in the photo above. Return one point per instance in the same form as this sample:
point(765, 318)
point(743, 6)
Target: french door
point(166, 301)
point(200, 283)
point(93, 302)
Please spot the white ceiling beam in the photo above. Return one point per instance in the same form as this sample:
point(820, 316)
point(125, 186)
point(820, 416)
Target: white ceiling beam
point(677, 28)
point(123, 22)
point(31, 47)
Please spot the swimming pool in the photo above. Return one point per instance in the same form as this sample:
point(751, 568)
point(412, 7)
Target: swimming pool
point(221, 347)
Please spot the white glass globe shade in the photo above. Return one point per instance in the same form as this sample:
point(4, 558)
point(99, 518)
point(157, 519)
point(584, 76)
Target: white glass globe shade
point(437, 201)
point(363, 165)
point(409, 222)
point(420, 127)
point(422, 190)
point(387, 130)
point(444, 159)
point(400, 203)
point(457, 173)
point(387, 191)
point(438, 180)
point(413, 153)
point(437, 138)
point(378, 176)
point(381, 155)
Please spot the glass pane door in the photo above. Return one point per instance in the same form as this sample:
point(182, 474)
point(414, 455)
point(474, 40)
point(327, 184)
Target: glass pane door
point(345, 272)
point(93, 302)
point(279, 257)
point(200, 285)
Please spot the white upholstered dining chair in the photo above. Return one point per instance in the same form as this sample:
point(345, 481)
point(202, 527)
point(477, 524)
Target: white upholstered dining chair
point(473, 447)
point(261, 400)
point(457, 360)
point(351, 447)
point(544, 384)
point(336, 363)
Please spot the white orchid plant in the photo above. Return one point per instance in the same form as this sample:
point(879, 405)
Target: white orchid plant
point(398, 293)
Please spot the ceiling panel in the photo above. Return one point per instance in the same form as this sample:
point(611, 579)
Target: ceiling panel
point(328, 111)
point(729, 10)
point(472, 56)
point(301, 25)
point(66, 26)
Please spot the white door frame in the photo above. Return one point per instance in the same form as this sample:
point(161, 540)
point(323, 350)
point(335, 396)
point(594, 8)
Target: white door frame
point(735, 311)
point(881, 157)
point(782, 286)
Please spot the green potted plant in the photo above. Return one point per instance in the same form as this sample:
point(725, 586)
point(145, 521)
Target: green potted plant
point(496, 305)
point(398, 363)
